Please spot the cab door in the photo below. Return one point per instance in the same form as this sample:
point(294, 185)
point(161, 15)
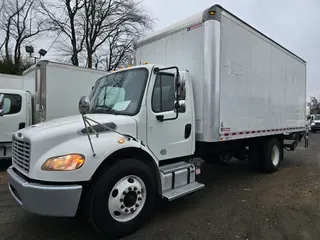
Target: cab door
point(14, 118)
point(168, 135)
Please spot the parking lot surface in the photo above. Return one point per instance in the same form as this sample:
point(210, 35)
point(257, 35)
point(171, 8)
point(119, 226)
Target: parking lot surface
point(236, 203)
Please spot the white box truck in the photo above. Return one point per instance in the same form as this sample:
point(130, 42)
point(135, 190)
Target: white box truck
point(214, 88)
point(9, 81)
point(48, 90)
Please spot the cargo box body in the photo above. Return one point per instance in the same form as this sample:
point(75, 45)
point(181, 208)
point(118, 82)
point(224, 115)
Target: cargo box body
point(245, 84)
point(8, 81)
point(57, 88)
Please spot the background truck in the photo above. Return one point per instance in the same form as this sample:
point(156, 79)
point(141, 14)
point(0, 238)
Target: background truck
point(45, 91)
point(215, 88)
point(9, 81)
point(309, 119)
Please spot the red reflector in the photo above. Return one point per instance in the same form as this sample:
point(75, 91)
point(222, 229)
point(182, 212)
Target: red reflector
point(240, 132)
point(226, 134)
point(253, 131)
point(234, 133)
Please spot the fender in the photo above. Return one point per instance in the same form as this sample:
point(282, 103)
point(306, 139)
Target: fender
point(132, 149)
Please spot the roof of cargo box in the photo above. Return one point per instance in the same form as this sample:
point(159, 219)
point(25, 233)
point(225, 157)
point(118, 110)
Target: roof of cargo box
point(198, 18)
point(63, 65)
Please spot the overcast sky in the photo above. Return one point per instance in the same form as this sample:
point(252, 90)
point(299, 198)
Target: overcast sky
point(292, 23)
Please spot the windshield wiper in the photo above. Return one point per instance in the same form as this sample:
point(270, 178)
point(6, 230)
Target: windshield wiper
point(107, 108)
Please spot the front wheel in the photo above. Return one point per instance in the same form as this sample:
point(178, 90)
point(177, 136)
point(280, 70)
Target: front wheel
point(121, 198)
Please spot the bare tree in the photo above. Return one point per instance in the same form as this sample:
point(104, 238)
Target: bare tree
point(18, 25)
point(64, 15)
point(314, 105)
point(93, 26)
point(111, 21)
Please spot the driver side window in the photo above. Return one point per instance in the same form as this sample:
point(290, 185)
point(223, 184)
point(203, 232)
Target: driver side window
point(11, 104)
point(163, 95)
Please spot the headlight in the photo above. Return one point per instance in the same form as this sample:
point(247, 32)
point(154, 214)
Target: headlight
point(64, 163)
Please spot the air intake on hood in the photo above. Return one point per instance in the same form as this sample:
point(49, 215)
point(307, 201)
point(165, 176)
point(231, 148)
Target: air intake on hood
point(100, 129)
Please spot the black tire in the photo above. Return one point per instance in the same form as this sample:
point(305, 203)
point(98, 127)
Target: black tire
point(267, 164)
point(97, 209)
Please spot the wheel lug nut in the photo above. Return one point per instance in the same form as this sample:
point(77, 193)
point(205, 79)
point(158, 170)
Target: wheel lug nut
point(139, 199)
point(139, 192)
point(137, 205)
point(135, 188)
point(124, 193)
point(130, 189)
point(126, 210)
point(121, 200)
point(122, 207)
point(131, 209)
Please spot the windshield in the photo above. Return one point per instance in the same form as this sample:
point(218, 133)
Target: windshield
point(317, 117)
point(120, 92)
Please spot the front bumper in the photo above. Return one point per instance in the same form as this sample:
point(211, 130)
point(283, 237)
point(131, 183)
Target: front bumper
point(47, 200)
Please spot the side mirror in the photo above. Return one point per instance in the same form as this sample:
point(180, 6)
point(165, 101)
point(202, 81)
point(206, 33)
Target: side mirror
point(176, 80)
point(182, 92)
point(1, 104)
point(308, 118)
point(84, 105)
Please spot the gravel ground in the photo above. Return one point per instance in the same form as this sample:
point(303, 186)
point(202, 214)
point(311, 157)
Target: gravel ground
point(235, 204)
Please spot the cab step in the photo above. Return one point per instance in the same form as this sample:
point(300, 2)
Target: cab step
point(179, 179)
point(182, 191)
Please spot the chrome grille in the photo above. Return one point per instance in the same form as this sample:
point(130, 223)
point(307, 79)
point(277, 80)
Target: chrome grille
point(21, 154)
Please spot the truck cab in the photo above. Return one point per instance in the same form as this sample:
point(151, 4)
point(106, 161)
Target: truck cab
point(16, 114)
point(315, 124)
point(136, 120)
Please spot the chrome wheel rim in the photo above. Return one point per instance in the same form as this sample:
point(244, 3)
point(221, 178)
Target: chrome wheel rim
point(127, 198)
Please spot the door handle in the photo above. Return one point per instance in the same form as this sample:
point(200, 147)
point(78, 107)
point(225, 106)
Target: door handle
point(22, 125)
point(187, 131)
point(160, 118)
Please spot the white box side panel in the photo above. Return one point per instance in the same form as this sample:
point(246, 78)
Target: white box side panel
point(10, 82)
point(183, 49)
point(65, 87)
point(263, 87)
point(29, 81)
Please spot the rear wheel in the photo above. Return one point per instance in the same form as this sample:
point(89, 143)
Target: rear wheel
point(272, 155)
point(121, 198)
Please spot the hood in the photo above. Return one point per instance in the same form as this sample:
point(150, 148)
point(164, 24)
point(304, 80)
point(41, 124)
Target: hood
point(46, 135)
point(65, 135)
point(74, 124)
